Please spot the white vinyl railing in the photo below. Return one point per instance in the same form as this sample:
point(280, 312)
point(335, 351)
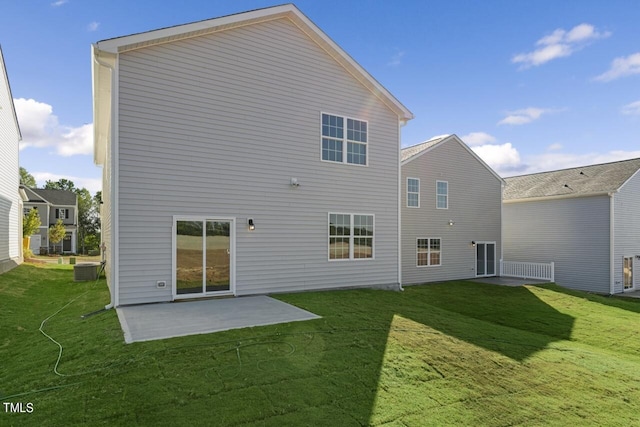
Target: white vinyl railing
point(527, 270)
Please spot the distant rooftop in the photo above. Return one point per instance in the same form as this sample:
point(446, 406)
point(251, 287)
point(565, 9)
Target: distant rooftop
point(55, 197)
point(594, 179)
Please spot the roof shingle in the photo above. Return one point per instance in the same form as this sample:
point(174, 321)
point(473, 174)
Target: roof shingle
point(578, 181)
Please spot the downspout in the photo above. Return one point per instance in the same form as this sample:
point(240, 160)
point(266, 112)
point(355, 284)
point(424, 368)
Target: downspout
point(401, 123)
point(502, 184)
point(611, 244)
point(114, 274)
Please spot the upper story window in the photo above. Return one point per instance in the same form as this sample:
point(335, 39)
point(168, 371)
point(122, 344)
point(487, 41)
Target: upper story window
point(413, 192)
point(442, 195)
point(62, 213)
point(344, 140)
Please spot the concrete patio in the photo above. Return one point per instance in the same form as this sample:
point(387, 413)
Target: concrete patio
point(176, 319)
point(509, 281)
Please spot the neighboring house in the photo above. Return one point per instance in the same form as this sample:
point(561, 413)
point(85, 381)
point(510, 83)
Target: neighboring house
point(10, 198)
point(451, 213)
point(586, 220)
point(53, 205)
point(241, 155)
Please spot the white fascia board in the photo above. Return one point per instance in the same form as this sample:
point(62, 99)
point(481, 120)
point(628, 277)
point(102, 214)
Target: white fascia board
point(558, 197)
point(102, 66)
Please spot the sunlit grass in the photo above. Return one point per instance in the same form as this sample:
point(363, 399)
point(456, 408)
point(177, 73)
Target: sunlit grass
point(456, 353)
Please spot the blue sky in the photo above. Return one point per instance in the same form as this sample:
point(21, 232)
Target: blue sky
point(531, 86)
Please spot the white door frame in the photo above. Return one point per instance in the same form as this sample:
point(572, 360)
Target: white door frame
point(232, 255)
point(633, 273)
point(495, 261)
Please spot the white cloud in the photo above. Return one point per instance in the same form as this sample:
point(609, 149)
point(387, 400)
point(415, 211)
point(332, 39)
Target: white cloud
point(632, 109)
point(478, 138)
point(396, 59)
point(559, 44)
point(91, 184)
point(526, 115)
point(621, 67)
point(40, 128)
point(501, 158)
point(59, 3)
point(554, 161)
point(93, 26)
point(507, 161)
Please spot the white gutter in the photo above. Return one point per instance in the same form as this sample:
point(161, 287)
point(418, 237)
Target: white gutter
point(559, 196)
point(115, 297)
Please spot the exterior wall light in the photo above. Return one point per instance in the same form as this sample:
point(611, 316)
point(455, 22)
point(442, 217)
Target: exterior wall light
point(250, 224)
point(473, 243)
point(451, 222)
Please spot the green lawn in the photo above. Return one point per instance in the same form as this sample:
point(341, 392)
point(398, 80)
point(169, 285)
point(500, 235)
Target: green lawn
point(455, 353)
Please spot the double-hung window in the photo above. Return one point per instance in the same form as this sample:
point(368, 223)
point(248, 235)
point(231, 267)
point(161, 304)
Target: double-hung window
point(442, 195)
point(428, 252)
point(350, 236)
point(413, 192)
point(344, 140)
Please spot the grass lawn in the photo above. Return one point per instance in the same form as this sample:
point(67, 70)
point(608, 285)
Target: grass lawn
point(455, 353)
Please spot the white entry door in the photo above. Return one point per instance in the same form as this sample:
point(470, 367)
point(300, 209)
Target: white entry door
point(485, 259)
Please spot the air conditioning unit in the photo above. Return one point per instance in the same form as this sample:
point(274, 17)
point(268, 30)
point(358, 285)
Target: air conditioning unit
point(85, 271)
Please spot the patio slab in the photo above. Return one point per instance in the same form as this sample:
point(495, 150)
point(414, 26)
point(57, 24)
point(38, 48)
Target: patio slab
point(176, 319)
point(509, 281)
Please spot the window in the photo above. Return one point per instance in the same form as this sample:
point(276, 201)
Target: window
point(335, 140)
point(442, 195)
point(428, 252)
point(62, 213)
point(413, 192)
point(350, 236)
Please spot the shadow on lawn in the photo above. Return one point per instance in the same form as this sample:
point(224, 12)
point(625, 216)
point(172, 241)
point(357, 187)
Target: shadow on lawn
point(379, 341)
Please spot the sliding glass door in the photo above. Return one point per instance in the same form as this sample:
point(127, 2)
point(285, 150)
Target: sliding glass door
point(203, 257)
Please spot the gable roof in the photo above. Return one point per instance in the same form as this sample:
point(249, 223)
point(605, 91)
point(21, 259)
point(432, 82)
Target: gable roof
point(411, 153)
point(105, 52)
point(12, 107)
point(605, 178)
point(51, 196)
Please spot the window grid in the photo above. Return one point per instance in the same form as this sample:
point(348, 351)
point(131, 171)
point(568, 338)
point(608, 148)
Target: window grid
point(442, 195)
point(428, 252)
point(413, 192)
point(334, 142)
point(350, 236)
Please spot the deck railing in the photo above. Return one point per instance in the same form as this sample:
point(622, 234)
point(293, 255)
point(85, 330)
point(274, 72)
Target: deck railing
point(527, 270)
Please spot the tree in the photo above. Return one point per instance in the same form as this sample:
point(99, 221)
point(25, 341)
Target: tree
point(57, 232)
point(31, 223)
point(61, 184)
point(26, 178)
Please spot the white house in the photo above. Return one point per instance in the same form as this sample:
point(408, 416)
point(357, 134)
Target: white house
point(586, 220)
point(241, 155)
point(10, 200)
point(451, 213)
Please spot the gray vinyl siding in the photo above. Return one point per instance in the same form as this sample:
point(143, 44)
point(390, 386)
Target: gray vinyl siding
point(474, 207)
point(627, 230)
point(573, 233)
point(216, 126)
point(10, 202)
